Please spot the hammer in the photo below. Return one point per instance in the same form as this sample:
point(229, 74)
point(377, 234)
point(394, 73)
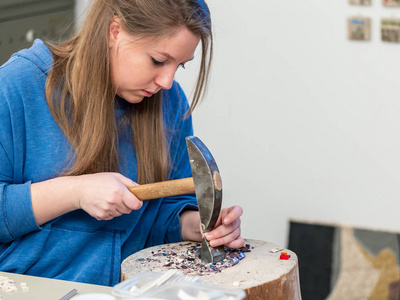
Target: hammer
point(206, 183)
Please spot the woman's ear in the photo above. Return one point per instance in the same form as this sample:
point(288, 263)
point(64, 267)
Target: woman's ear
point(114, 31)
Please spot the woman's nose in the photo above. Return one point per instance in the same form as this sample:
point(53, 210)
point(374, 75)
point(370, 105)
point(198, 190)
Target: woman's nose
point(165, 79)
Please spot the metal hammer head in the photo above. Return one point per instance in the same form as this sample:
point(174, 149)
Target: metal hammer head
point(208, 188)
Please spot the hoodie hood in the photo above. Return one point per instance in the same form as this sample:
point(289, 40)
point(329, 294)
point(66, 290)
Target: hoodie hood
point(38, 54)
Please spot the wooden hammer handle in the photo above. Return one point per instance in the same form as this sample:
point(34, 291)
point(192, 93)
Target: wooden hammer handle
point(163, 189)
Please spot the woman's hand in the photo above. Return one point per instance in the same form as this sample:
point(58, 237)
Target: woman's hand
point(105, 195)
point(227, 229)
point(102, 195)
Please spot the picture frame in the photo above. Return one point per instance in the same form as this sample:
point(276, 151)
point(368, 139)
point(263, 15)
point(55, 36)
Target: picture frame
point(360, 2)
point(391, 3)
point(390, 30)
point(359, 28)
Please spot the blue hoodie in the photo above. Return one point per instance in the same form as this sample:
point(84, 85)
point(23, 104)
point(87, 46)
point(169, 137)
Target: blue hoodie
point(33, 148)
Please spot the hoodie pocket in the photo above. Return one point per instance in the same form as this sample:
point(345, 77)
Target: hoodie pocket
point(81, 254)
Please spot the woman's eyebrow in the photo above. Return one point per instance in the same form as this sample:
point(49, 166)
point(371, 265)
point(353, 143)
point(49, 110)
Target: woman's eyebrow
point(171, 57)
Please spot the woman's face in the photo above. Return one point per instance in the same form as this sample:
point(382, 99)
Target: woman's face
point(141, 67)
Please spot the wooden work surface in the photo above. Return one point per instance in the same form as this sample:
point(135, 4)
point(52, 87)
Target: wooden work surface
point(47, 289)
point(261, 274)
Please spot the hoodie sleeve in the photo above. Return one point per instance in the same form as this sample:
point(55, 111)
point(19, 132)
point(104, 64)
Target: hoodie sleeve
point(167, 223)
point(16, 214)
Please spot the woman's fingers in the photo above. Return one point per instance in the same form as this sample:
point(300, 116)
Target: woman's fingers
point(223, 230)
point(228, 235)
point(227, 229)
point(232, 238)
point(130, 202)
point(231, 214)
point(237, 243)
point(106, 196)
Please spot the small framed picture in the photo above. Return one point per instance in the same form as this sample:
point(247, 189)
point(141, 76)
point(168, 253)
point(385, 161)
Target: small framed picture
point(359, 28)
point(390, 30)
point(360, 2)
point(392, 3)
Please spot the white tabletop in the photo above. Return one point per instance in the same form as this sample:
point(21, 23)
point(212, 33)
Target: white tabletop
point(47, 289)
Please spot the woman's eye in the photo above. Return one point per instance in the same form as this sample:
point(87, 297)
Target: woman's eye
point(157, 62)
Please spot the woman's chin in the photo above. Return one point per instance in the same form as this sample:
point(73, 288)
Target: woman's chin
point(133, 99)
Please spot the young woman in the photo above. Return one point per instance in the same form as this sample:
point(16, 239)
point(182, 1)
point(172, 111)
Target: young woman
point(82, 121)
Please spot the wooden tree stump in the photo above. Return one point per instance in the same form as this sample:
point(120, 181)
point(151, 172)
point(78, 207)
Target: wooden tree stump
point(261, 274)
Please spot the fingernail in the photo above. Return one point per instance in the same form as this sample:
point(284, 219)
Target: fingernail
point(209, 236)
point(226, 221)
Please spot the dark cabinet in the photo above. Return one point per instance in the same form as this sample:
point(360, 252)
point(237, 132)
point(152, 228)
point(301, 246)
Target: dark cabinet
point(21, 21)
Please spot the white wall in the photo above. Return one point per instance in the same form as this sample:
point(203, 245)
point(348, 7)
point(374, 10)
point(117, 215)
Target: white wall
point(81, 8)
point(302, 122)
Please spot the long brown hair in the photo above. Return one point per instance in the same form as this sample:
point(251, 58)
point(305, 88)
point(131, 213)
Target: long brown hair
point(81, 97)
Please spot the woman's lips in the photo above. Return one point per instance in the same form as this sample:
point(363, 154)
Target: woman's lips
point(147, 93)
